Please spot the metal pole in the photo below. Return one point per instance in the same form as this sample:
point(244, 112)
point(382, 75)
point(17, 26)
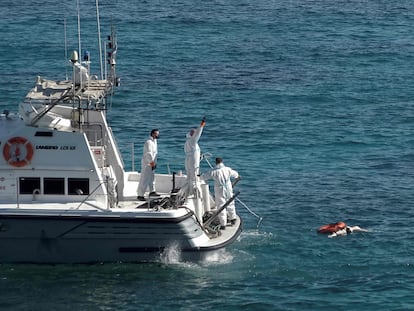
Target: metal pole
point(99, 37)
point(132, 157)
point(209, 221)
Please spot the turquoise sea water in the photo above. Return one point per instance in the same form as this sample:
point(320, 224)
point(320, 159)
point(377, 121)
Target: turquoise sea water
point(311, 101)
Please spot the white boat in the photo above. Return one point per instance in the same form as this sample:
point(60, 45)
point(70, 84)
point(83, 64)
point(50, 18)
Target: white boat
point(65, 196)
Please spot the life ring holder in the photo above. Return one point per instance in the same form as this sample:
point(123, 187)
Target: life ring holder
point(12, 155)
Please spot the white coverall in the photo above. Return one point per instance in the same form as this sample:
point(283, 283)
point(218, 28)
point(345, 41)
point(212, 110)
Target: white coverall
point(192, 154)
point(223, 190)
point(149, 157)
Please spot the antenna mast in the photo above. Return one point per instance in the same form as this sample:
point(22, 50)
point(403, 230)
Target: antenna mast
point(66, 49)
point(79, 29)
point(99, 38)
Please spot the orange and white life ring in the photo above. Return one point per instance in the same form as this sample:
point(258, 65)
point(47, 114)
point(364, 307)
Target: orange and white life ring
point(18, 151)
point(332, 228)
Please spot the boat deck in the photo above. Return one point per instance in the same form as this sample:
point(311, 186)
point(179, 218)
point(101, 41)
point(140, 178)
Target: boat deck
point(55, 90)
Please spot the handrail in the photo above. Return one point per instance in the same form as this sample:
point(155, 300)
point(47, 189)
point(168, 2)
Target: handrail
point(219, 210)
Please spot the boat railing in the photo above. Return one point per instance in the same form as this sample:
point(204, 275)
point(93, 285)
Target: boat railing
point(107, 201)
point(95, 134)
point(219, 210)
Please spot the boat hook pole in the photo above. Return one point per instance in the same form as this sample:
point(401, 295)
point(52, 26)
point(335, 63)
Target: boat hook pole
point(216, 213)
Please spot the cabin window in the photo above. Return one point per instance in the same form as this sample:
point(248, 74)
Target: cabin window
point(44, 134)
point(29, 185)
point(78, 186)
point(53, 185)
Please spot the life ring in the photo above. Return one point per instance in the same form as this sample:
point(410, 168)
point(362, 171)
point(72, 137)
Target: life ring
point(332, 228)
point(12, 151)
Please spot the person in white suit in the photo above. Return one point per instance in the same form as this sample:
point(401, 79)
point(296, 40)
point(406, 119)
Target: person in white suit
point(223, 190)
point(148, 166)
point(192, 153)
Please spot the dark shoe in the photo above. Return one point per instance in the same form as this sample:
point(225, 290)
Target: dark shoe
point(233, 222)
point(222, 227)
point(154, 194)
point(140, 198)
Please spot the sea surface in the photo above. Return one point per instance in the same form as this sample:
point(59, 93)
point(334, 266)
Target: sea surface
point(312, 101)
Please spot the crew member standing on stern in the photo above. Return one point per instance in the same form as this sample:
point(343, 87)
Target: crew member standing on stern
point(223, 190)
point(148, 166)
point(192, 153)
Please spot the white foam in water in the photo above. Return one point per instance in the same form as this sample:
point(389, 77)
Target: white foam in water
point(220, 256)
point(171, 254)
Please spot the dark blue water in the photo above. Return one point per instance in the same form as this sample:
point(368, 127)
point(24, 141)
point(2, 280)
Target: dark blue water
point(311, 101)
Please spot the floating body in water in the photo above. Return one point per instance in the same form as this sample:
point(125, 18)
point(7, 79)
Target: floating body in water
point(339, 229)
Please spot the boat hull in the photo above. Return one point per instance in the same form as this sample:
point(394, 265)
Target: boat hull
point(77, 238)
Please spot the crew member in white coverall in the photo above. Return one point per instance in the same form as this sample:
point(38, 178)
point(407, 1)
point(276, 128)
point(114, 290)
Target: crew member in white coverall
point(223, 190)
point(192, 153)
point(148, 165)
